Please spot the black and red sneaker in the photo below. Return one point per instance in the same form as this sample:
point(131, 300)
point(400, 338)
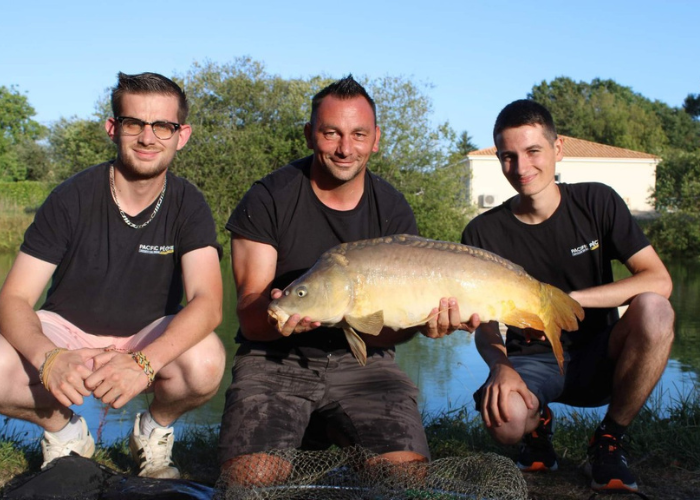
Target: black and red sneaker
point(607, 465)
point(536, 450)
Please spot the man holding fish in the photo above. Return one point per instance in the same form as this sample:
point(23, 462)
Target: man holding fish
point(567, 235)
point(285, 377)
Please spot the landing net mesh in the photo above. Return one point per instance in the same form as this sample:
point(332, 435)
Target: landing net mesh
point(355, 473)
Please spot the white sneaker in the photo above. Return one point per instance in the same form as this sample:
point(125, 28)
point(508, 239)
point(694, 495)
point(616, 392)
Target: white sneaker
point(52, 448)
point(153, 453)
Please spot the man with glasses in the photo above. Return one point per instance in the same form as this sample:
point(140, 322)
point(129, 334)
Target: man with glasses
point(120, 242)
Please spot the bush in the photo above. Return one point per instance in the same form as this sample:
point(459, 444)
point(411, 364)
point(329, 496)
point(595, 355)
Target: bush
point(27, 195)
point(676, 235)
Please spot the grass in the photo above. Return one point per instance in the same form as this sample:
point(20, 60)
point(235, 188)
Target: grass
point(665, 443)
point(14, 221)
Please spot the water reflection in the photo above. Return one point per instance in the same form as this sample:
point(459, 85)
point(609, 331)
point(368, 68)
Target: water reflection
point(447, 370)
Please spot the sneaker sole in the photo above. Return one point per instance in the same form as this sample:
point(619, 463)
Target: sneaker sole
point(614, 485)
point(537, 467)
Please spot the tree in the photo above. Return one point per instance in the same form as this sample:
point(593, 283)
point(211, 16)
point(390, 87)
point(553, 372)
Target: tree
point(76, 144)
point(678, 183)
point(18, 132)
point(465, 144)
point(602, 111)
point(692, 105)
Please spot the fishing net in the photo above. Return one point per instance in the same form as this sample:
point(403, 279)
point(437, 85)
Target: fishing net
point(354, 473)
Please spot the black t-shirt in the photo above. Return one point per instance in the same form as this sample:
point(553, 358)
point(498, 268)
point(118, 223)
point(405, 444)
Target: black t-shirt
point(571, 250)
point(113, 279)
point(282, 210)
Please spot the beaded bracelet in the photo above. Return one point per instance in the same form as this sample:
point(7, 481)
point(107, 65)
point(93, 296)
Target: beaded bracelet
point(141, 360)
point(47, 365)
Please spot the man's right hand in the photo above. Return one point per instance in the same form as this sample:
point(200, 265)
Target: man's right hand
point(502, 381)
point(66, 379)
point(295, 323)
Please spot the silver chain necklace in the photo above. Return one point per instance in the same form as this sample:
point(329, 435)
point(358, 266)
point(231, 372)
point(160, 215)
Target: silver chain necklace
point(122, 213)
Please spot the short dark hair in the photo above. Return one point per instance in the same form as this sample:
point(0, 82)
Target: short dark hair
point(149, 83)
point(345, 88)
point(525, 112)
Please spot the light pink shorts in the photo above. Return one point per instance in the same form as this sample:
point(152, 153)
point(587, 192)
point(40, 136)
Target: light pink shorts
point(65, 334)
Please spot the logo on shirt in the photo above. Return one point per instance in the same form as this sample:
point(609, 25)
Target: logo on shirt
point(157, 249)
point(593, 245)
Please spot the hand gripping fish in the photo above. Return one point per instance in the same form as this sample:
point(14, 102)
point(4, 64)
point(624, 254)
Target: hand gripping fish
point(396, 281)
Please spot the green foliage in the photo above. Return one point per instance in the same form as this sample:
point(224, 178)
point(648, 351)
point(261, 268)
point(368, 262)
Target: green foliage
point(18, 133)
point(691, 105)
point(18, 201)
point(676, 235)
point(76, 144)
point(678, 183)
point(27, 195)
point(15, 116)
point(606, 112)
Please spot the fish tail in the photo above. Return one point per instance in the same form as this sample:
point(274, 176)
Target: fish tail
point(560, 312)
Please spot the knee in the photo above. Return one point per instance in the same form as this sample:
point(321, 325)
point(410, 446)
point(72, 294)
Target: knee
point(256, 470)
point(654, 317)
point(203, 366)
point(212, 363)
point(519, 421)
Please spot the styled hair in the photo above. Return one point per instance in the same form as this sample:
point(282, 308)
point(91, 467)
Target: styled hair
point(346, 88)
point(525, 112)
point(149, 83)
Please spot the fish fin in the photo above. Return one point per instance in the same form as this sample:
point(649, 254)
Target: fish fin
point(560, 312)
point(523, 319)
point(371, 324)
point(357, 345)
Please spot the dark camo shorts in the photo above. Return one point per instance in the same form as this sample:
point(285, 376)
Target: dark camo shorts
point(587, 379)
point(292, 402)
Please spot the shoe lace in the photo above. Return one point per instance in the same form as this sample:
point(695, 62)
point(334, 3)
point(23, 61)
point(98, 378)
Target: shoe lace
point(157, 451)
point(541, 437)
point(607, 449)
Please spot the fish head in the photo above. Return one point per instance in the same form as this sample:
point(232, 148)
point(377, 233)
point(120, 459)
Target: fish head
point(324, 294)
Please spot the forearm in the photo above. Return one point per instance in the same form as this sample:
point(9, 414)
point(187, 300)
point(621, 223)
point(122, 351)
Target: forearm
point(623, 291)
point(189, 327)
point(253, 318)
point(21, 327)
point(489, 344)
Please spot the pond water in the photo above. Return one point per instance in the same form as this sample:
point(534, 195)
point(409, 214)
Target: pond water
point(447, 371)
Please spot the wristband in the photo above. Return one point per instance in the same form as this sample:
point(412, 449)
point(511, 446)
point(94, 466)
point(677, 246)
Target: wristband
point(47, 365)
point(141, 360)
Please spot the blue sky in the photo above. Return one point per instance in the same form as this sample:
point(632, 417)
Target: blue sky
point(477, 56)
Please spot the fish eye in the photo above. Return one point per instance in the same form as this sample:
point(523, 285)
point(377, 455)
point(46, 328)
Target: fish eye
point(301, 291)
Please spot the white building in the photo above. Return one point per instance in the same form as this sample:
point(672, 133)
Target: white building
point(631, 173)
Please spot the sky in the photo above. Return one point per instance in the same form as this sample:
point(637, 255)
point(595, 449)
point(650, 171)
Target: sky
point(473, 57)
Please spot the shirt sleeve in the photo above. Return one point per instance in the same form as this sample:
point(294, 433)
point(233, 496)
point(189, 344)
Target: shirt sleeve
point(624, 236)
point(199, 230)
point(254, 218)
point(48, 236)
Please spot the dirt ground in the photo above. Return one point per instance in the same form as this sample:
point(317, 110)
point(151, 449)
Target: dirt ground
point(570, 483)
